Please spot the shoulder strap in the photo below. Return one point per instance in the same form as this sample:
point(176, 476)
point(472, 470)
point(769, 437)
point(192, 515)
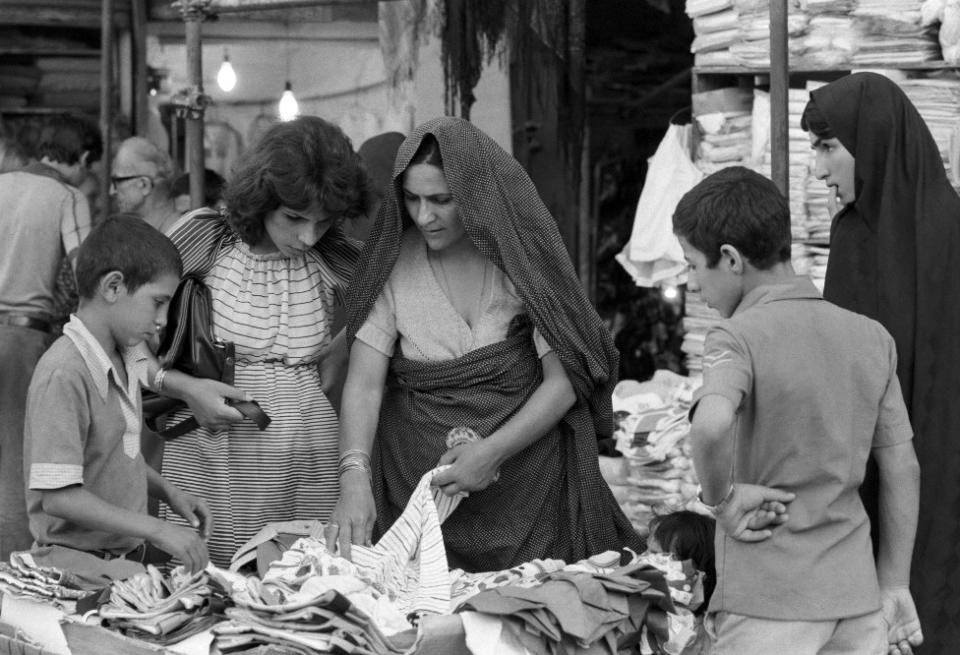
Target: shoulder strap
point(200, 236)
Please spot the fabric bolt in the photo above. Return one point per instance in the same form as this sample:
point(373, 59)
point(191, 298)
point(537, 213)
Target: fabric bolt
point(509, 224)
point(82, 428)
point(277, 311)
point(892, 258)
point(794, 364)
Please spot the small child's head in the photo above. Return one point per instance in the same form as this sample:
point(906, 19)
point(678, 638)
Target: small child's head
point(687, 535)
point(127, 272)
point(732, 220)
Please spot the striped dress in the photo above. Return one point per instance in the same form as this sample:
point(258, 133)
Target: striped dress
point(277, 310)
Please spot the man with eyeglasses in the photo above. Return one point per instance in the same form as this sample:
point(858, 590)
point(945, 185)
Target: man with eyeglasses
point(43, 219)
point(141, 183)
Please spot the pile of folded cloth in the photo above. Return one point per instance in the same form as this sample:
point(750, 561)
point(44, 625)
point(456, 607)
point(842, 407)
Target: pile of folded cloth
point(652, 432)
point(644, 605)
point(313, 599)
point(163, 609)
point(725, 121)
point(23, 576)
point(821, 33)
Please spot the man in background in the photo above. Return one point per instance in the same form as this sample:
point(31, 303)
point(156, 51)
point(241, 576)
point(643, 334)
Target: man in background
point(141, 183)
point(43, 219)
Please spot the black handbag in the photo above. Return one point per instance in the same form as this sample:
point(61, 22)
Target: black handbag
point(188, 345)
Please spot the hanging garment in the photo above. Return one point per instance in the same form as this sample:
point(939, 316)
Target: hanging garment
point(653, 253)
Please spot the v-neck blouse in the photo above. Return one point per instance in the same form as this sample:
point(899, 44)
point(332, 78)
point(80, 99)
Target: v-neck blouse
point(414, 309)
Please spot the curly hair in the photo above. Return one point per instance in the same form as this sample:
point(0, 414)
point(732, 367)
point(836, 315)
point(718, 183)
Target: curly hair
point(296, 164)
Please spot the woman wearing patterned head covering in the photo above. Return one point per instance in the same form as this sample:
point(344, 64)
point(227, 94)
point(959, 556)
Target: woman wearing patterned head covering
point(894, 249)
point(465, 303)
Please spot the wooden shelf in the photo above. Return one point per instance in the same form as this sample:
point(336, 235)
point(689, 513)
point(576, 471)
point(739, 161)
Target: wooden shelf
point(44, 111)
point(33, 52)
point(806, 70)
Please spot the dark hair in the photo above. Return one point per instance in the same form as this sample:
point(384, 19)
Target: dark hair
point(125, 243)
point(428, 153)
point(689, 535)
point(739, 207)
point(212, 187)
point(815, 122)
point(296, 164)
point(66, 137)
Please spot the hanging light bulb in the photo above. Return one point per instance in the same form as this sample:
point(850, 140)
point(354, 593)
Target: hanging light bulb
point(288, 107)
point(226, 76)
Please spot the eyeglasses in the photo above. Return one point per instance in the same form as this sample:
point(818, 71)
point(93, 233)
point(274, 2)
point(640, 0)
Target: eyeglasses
point(115, 180)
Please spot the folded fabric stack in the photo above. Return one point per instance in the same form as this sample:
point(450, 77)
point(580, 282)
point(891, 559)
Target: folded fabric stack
point(320, 600)
point(574, 611)
point(725, 122)
point(464, 585)
point(697, 320)
point(23, 576)
point(715, 27)
point(892, 32)
point(316, 616)
point(938, 101)
point(651, 431)
point(162, 609)
point(752, 45)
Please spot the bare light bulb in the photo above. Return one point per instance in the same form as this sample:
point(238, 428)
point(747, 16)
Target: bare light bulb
point(226, 76)
point(671, 293)
point(288, 107)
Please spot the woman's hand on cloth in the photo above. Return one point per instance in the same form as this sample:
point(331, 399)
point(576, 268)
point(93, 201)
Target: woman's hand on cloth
point(753, 510)
point(474, 467)
point(207, 400)
point(900, 617)
point(353, 517)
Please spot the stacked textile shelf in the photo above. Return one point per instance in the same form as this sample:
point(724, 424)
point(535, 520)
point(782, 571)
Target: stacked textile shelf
point(822, 33)
point(652, 430)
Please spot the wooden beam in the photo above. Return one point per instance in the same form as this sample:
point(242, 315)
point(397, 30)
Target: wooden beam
point(779, 97)
point(195, 119)
point(138, 33)
point(106, 101)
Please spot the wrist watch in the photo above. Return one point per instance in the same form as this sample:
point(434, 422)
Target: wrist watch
point(716, 509)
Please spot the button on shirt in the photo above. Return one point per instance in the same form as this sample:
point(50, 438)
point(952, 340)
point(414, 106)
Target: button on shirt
point(815, 388)
point(83, 427)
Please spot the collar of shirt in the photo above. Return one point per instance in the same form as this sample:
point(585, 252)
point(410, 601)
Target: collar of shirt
point(798, 288)
point(99, 363)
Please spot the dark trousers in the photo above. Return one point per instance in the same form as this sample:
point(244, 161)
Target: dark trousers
point(20, 350)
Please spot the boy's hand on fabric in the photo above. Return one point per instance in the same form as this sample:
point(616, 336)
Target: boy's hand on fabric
point(207, 400)
point(183, 543)
point(900, 617)
point(753, 510)
point(353, 517)
point(474, 467)
point(195, 510)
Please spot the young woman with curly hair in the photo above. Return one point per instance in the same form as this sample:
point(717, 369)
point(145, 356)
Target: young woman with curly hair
point(276, 263)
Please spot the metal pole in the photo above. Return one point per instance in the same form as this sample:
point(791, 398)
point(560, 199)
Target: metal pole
point(106, 104)
point(779, 95)
point(138, 24)
point(194, 129)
